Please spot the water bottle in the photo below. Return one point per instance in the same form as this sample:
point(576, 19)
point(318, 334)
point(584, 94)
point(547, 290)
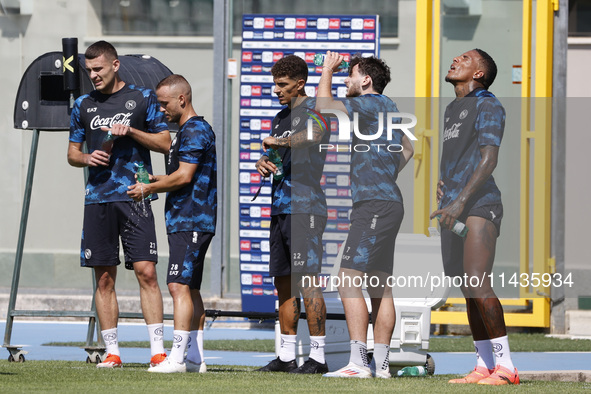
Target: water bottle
point(319, 61)
point(458, 228)
point(107, 145)
point(143, 176)
point(276, 159)
point(412, 371)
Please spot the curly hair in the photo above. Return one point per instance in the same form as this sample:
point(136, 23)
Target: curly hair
point(376, 68)
point(290, 66)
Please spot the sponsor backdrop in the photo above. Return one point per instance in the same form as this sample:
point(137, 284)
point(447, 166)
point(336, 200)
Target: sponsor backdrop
point(266, 39)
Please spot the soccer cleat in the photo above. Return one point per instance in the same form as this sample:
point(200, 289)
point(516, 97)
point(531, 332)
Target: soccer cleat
point(500, 376)
point(168, 366)
point(112, 361)
point(382, 373)
point(196, 367)
point(279, 366)
point(475, 376)
point(311, 366)
point(157, 359)
point(351, 370)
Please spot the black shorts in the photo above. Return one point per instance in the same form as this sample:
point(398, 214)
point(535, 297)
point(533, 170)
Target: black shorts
point(103, 225)
point(187, 256)
point(296, 244)
point(452, 245)
point(372, 236)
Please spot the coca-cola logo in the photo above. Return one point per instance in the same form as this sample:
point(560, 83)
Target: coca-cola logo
point(97, 122)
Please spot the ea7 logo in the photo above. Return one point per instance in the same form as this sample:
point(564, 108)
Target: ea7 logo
point(89, 110)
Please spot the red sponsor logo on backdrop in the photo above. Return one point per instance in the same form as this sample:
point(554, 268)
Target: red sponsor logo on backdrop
point(266, 212)
point(257, 279)
point(247, 56)
point(301, 23)
point(255, 91)
point(323, 180)
point(255, 177)
point(310, 57)
point(346, 57)
point(277, 56)
point(369, 24)
point(244, 245)
point(269, 23)
point(257, 69)
point(332, 214)
point(343, 226)
point(334, 126)
point(319, 71)
point(334, 24)
point(257, 291)
point(265, 124)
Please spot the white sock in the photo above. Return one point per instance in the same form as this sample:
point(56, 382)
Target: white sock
point(484, 354)
point(111, 341)
point(381, 355)
point(287, 349)
point(179, 344)
point(359, 353)
point(502, 353)
point(317, 348)
point(156, 333)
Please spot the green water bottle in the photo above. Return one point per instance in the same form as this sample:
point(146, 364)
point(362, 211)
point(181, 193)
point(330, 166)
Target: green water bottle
point(143, 176)
point(319, 61)
point(275, 158)
point(458, 228)
point(412, 371)
point(107, 145)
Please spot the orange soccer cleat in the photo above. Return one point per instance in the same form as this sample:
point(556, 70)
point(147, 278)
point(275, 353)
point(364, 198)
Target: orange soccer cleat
point(500, 376)
point(157, 359)
point(475, 376)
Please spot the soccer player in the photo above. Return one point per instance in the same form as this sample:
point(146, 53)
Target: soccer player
point(131, 113)
point(191, 208)
point(298, 216)
point(377, 209)
point(473, 129)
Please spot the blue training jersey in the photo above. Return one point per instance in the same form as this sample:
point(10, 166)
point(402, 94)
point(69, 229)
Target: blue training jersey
point(299, 191)
point(471, 122)
point(194, 206)
point(374, 167)
point(133, 106)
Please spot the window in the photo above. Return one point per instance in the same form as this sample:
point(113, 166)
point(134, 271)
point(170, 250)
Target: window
point(579, 18)
point(195, 17)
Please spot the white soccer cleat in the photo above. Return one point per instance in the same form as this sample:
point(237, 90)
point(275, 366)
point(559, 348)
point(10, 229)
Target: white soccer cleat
point(352, 370)
point(196, 367)
point(383, 373)
point(168, 366)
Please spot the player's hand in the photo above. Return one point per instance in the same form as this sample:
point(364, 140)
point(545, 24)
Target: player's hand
point(139, 191)
point(439, 191)
point(449, 214)
point(265, 167)
point(97, 158)
point(269, 142)
point(332, 60)
point(118, 129)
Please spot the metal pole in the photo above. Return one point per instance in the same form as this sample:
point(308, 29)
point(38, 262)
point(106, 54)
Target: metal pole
point(557, 317)
point(222, 48)
point(21, 238)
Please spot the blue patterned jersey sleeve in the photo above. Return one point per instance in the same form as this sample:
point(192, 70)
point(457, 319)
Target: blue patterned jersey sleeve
point(490, 122)
point(77, 131)
point(155, 120)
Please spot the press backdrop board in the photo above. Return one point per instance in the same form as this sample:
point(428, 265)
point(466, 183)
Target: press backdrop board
point(266, 39)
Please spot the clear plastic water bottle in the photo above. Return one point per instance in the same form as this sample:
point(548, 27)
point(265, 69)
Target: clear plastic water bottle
point(319, 61)
point(143, 176)
point(413, 371)
point(458, 228)
point(275, 158)
point(107, 145)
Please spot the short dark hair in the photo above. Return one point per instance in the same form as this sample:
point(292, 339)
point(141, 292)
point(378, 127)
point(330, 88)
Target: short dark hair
point(176, 80)
point(490, 68)
point(290, 66)
point(376, 68)
point(101, 48)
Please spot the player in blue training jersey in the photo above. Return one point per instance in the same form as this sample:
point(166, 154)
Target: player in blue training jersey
point(131, 115)
point(191, 208)
point(298, 216)
point(473, 129)
point(377, 208)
